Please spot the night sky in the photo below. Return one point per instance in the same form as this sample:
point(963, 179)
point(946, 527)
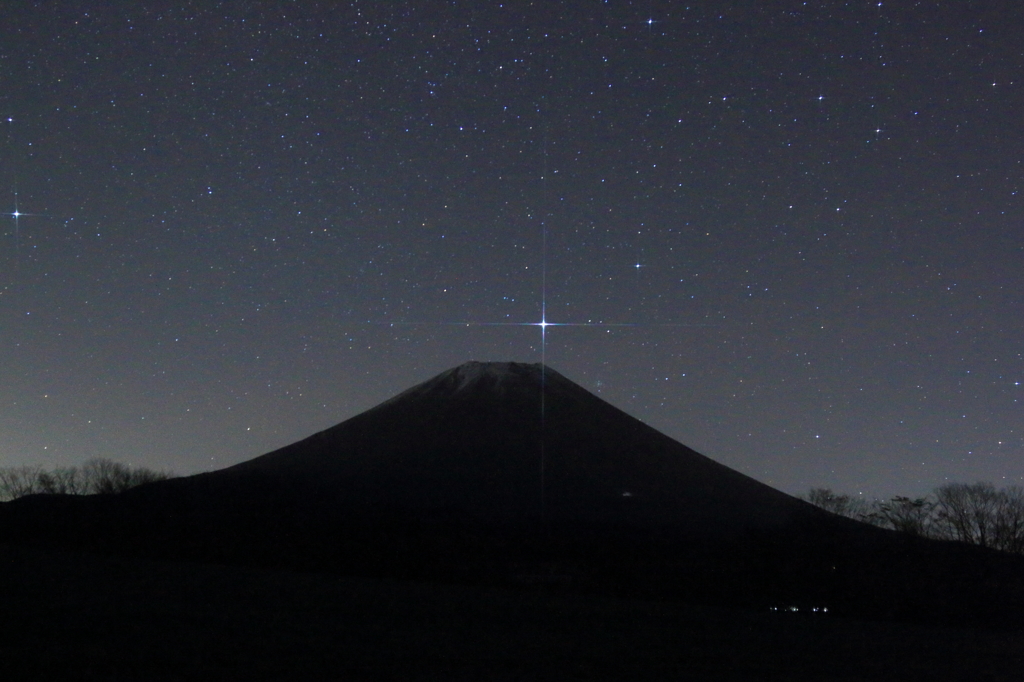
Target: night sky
point(246, 222)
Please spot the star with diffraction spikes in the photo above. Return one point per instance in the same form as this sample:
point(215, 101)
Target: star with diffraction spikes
point(16, 216)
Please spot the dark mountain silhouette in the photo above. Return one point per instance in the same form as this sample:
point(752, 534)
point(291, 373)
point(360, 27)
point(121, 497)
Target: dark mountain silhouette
point(511, 473)
point(474, 443)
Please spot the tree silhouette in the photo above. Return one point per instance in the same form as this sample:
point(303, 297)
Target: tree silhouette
point(913, 516)
point(978, 513)
point(841, 504)
point(95, 477)
point(981, 515)
point(18, 481)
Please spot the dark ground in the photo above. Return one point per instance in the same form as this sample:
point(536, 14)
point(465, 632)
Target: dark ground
point(82, 617)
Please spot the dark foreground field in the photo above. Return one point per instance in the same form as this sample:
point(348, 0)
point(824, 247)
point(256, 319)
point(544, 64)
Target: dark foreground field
point(69, 616)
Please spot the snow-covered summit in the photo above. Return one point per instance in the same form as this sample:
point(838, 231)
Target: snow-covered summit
point(495, 377)
point(494, 374)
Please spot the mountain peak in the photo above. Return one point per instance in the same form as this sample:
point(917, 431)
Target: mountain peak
point(474, 371)
point(494, 375)
point(475, 376)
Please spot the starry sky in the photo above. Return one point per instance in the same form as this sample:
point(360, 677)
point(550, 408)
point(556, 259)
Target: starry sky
point(793, 229)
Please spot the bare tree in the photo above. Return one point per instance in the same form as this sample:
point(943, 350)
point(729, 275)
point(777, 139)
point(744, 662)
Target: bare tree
point(18, 482)
point(982, 515)
point(97, 476)
point(976, 513)
point(899, 513)
point(967, 512)
point(104, 476)
point(1008, 529)
point(61, 481)
point(913, 516)
point(841, 504)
